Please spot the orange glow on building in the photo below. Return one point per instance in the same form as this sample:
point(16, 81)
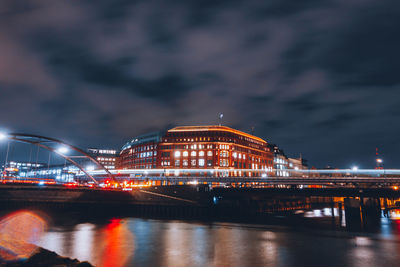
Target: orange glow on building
point(199, 147)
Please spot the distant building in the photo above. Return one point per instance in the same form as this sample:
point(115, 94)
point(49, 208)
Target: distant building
point(281, 162)
point(68, 172)
point(297, 164)
point(199, 147)
point(106, 157)
point(20, 169)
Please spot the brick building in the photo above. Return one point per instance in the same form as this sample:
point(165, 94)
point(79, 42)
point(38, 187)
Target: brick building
point(199, 147)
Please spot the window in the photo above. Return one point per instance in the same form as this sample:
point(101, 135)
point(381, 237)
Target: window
point(209, 163)
point(193, 153)
point(185, 153)
point(185, 162)
point(177, 163)
point(209, 153)
point(177, 154)
point(201, 162)
point(201, 153)
point(193, 162)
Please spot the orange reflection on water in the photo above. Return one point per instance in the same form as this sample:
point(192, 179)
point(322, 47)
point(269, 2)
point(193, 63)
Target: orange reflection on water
point(118, 244)
point(19, 232)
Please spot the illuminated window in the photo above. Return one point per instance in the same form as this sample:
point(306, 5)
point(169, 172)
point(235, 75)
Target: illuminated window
point(201, 162)
point(193, 153)
point(177, 154)
point(185, 162)
point(209, 153)
point(177, 163)
point(234, 155)
point(201, 153)
point(193, 162)
point(185, 153)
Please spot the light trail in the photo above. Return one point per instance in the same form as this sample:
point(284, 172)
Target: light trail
point(268, 172)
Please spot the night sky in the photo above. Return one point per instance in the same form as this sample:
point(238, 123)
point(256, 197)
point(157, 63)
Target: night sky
point(319, 78)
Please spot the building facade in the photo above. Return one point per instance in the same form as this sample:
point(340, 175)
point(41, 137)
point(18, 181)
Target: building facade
point(199, 147)
point(298, 166)
point(281, 162)
point(106, 157)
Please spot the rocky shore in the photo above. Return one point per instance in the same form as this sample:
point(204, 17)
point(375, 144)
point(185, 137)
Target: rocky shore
point(44, 257)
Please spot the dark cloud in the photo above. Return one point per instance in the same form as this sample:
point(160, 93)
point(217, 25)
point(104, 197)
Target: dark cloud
point(315, 77)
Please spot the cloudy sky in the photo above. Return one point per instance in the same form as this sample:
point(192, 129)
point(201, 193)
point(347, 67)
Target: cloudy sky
point(319, 78)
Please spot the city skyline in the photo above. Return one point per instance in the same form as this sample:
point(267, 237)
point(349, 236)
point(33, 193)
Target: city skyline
point(301, 76)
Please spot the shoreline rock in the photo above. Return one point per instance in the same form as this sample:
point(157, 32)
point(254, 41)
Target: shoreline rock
point(44, 257)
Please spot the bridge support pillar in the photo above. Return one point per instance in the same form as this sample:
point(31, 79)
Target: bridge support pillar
point(352, 214)
point(371, 213)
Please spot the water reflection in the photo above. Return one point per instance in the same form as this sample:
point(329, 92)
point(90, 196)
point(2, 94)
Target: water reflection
point(140, 242)
point(83, 237)
point(143, 242)
point(117, 244)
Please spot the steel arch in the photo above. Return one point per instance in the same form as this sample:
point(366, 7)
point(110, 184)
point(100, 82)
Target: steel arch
point(38, 140)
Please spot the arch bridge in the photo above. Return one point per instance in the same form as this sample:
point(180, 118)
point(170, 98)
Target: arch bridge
point(60, 148)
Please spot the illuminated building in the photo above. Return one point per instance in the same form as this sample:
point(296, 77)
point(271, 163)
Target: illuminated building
point(297, 164)
point(140, 152)
point(281, 163)
point(106, 157)
point(199, 147)
point(19, 169)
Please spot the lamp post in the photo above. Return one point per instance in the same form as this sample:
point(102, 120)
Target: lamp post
point(354, 169)
point(379, 162)
point(4, 136)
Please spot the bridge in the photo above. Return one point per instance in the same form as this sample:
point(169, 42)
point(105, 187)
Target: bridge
point(128, 178)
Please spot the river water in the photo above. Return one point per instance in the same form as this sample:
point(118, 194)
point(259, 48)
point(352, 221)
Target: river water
point(149, 242)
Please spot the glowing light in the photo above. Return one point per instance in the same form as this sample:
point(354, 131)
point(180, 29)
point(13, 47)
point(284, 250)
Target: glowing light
point(63, 150)
point(3, 136)
point(19, 231)
point(177, 154)
point(379, 160)
point(354, 168)
point(395, 187)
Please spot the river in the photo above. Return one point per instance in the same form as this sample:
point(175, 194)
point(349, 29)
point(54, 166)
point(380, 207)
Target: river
point(149, 242)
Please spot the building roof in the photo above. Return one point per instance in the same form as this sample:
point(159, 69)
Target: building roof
point(145, 138)
point(214, 128)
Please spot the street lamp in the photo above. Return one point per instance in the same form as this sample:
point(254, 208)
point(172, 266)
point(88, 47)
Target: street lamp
point(63, 150)
point(379, 160)
point(3, 136)
point(354, 169)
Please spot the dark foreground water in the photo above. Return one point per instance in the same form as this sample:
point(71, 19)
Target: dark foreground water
point(107, 241)
point(146, 242)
